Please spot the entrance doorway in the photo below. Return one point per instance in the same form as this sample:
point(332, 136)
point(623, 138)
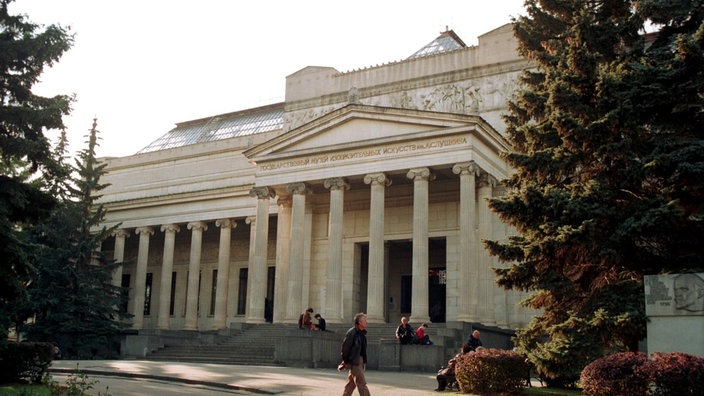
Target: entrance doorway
point(401, 269)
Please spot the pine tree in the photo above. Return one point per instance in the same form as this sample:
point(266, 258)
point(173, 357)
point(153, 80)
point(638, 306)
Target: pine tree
point(608, 186)
point(26, 161)
point(72, 298)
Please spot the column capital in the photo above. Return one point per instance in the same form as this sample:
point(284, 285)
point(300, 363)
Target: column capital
point(417, 174)
point(283, 200)
point(144, 230)
point(251, 220)
point(487, 180)
point(121, 232)
point(226, 223)
point(464, 168)
point(377, 178)
point(297, 188)
point(262, 193)
point(170, 228)
point(336, 183)
point(198, 225)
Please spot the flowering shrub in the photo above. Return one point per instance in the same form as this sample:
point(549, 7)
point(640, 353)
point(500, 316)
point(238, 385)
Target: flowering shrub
point(489, 371)
point(630, 374)
point(614, 375)
point(673, 374)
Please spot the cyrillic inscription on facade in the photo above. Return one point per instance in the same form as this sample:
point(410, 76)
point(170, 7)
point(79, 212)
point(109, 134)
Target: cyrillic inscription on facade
point(427, 145)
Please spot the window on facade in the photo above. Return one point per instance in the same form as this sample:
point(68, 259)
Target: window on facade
point(242, 292)
point(125, 293)
point(173, 294)
point(148, 295)
point(213, 292)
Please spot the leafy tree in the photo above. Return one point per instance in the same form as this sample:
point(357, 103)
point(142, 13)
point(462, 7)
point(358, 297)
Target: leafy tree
point(26, 160)
point(72, 298)
point(609, 160)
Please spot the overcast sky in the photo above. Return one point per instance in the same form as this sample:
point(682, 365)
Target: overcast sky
point(141, 66)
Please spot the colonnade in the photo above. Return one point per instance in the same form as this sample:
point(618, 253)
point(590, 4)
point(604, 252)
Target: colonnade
point(475, 298)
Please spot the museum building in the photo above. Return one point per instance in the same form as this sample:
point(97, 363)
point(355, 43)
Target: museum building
point(363, 191)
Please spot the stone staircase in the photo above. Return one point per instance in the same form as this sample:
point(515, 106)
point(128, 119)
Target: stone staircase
point(255, 345)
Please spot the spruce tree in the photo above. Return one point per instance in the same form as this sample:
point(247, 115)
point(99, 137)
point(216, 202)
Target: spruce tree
point(26, 162)
point(608, 156)
point(71, 297)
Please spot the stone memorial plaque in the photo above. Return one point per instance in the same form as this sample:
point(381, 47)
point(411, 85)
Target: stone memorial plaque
point(675, 294)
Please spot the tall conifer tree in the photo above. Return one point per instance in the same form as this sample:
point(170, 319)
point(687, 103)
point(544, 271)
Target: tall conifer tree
point(25, 154)
point(609, 161)
point(71, 297)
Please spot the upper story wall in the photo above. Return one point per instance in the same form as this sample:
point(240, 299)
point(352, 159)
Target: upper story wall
point(476, 80)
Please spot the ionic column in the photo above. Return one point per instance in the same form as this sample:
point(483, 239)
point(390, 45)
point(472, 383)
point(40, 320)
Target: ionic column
point(283, 246)
point(468, 266)
point(295, 259)
point(197, 228)
point(167, 266)
point(376, 282)
point(486, 274)
point(223, 281)
point(252, 222)
point(419, 299)
point(140, 281)
point(120, 236)
point(256, 275)
point(333, 294)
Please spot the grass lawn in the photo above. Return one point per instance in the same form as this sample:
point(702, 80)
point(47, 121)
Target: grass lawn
point(24, 389)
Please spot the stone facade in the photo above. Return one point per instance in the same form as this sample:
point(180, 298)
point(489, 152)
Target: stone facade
point(371, 197)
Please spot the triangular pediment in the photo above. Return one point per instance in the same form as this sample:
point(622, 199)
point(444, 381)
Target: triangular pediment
point(356, 138)
point(359, 126)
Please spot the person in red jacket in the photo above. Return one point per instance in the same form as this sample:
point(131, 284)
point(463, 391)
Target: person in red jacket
point(423, 339)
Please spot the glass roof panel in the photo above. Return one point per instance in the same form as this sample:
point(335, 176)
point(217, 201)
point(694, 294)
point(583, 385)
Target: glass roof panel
point(446, 42)
point(219, 128)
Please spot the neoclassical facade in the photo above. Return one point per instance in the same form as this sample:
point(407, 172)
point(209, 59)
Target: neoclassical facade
point(362, 191)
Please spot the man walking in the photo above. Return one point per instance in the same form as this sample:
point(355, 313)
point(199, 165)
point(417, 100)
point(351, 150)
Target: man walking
point(354, 356)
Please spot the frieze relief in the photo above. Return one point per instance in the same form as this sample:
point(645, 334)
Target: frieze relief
point(465, 97)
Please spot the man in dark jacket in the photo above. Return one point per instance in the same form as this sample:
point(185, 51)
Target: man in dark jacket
point(354, 356)
point(473, 341)
point(321, 322)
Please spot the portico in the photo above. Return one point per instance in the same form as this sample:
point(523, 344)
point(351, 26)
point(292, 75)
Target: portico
point(355, 200)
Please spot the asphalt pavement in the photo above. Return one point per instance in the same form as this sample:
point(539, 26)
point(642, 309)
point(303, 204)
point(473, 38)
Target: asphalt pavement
point(155, 378)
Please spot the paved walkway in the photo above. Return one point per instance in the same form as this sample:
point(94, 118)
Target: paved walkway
point(152, 378)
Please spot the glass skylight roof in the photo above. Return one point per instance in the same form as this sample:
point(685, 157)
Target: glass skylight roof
point(221, 127)
point(446, 42)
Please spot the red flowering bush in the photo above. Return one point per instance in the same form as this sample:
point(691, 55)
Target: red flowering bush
point(614, 375)
point(491, 371)
point(674, 373)
point(630, 374)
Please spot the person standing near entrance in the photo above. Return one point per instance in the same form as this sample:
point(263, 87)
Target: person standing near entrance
point(354, 356)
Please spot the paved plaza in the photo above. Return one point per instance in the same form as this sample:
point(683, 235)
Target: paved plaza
point(152, 378)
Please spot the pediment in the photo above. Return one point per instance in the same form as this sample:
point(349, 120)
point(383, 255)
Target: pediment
point(353, 139)
point(359, 126)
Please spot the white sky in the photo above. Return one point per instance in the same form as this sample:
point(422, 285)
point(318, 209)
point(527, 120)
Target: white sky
point(141, 66)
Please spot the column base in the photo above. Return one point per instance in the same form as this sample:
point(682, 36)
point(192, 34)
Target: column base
point(375, 319)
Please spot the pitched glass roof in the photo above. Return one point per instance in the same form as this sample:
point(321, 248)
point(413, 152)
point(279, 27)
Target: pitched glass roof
point(447, 41)
point(225, 126)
